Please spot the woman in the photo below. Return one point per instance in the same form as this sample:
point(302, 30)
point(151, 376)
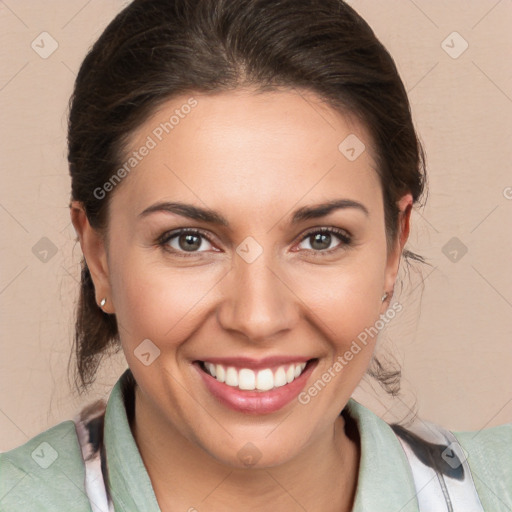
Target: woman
point(243, 174)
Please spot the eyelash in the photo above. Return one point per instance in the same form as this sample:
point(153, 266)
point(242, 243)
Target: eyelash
point(344, 236)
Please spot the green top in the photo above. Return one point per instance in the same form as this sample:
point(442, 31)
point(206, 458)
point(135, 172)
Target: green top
point(47, 472)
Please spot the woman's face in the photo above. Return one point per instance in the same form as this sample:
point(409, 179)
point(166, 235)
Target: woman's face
point(253, 289)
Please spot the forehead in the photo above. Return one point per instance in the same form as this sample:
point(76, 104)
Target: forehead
point(263, 148)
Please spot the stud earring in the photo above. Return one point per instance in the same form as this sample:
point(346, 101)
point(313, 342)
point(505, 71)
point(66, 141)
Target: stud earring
point(103, 302)
point(384, 297)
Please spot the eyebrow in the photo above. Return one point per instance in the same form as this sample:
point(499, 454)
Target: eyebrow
point(321, 210)
point(212, 217)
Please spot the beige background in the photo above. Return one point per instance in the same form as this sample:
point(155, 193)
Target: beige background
point(456, 352)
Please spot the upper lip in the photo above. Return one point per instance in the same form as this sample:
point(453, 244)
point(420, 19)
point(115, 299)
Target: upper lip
point(256, 364)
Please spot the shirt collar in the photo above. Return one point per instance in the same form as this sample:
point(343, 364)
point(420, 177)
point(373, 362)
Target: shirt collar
point(385, 482)
point(129, 481)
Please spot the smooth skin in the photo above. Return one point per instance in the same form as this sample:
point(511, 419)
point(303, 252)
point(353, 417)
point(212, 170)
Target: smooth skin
point(255, 159)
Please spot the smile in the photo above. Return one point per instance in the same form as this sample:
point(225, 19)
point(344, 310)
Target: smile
point(250, 380)
point(255, 387)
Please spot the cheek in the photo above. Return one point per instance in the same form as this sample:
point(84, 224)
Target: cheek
point(157, 302)
point(345, 306)
point(344, 301)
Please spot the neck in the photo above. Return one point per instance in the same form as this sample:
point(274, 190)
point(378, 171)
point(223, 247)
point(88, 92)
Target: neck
point(184, 477)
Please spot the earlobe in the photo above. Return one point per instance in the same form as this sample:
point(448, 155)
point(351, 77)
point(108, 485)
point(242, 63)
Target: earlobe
point(93, 249)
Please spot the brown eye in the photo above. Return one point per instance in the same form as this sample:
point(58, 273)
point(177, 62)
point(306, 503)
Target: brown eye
point(321, 241)
point(189, 242)
point(184, 241)
point(325, 239)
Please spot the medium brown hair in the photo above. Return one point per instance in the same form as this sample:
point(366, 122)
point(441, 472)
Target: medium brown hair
point(158, 49)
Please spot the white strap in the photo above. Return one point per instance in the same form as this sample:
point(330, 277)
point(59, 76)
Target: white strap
point(441, 473)
point(94, 482)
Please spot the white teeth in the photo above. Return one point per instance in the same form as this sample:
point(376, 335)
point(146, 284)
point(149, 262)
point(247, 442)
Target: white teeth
point(246, 379)
point(232, 377)
point(265, 380)
point(220, 373)
point(249, 380)
point(280, 377)
point(211, 369)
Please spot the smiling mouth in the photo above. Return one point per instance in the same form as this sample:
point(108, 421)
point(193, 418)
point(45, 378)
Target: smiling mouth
point(264, 379)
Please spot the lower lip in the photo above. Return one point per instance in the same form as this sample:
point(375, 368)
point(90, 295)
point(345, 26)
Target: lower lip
point(256, 402)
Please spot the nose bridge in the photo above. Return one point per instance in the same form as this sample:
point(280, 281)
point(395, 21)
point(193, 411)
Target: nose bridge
point(257, 303)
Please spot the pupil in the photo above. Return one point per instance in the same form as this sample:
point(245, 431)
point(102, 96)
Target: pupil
point(321, 241)
point(190, 242)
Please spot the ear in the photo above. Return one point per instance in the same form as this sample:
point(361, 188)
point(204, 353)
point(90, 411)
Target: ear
point(394, 254)
point(93, 249)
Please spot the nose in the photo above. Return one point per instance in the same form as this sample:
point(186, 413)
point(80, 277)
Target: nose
point(258, 303)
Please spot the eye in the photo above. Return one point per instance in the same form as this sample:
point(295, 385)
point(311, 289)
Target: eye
point(319, 240)
point(325, 240)
point(185, 241)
